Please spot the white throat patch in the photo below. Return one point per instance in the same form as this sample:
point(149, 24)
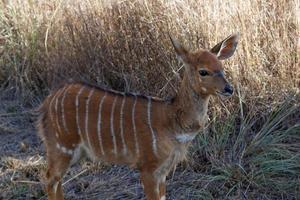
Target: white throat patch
point(183, 138)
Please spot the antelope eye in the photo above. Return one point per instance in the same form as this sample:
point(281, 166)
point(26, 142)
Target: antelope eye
point(203, 72)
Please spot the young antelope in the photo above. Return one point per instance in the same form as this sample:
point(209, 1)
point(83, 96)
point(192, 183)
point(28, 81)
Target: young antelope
point(147, 133)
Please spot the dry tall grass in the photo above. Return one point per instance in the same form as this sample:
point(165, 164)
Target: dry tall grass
point(125, 45)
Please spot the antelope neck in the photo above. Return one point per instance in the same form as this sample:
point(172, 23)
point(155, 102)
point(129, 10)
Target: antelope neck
point(189, 110)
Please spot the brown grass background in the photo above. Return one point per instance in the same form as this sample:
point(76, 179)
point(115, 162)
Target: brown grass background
point(124, 45)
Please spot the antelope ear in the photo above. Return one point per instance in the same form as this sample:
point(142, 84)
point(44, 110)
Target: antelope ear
point(180, 50)
point(226, 48)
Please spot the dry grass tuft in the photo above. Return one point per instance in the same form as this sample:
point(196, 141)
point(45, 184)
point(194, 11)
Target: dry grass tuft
point(254, 157)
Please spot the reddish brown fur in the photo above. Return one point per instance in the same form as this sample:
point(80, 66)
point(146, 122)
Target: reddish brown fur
point(164, 129)
point(204, 58)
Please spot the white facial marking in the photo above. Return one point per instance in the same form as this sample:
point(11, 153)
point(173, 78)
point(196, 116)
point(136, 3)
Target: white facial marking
point(112, 125)
point(87, 117)
point(77, 110)
point(99, 123)
point(154, 147)
point(185, 137)
point(134, 127)
point(63, 110)
point(203, 89)
point(121, 125)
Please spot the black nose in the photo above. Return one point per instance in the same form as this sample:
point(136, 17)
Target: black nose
point(228, 89)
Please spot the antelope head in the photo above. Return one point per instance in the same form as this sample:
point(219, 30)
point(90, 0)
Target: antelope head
point(203, 68)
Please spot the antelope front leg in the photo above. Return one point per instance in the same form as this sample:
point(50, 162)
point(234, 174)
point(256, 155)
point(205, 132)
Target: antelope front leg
point(151, 185)
point(162, 189)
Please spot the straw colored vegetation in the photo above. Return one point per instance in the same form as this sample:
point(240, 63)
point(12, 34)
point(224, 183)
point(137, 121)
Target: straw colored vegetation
point(251, 146)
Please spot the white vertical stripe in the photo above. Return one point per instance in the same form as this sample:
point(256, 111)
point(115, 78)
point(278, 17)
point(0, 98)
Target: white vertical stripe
point(87, 118)
point(112, 125)
point(50, 105)
point(56, 109)
point(134, 127)
point(77, 111)
point(121, 125)
point(99, 123)
point(63, 110)
point(51, 112)
point(154, 147)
